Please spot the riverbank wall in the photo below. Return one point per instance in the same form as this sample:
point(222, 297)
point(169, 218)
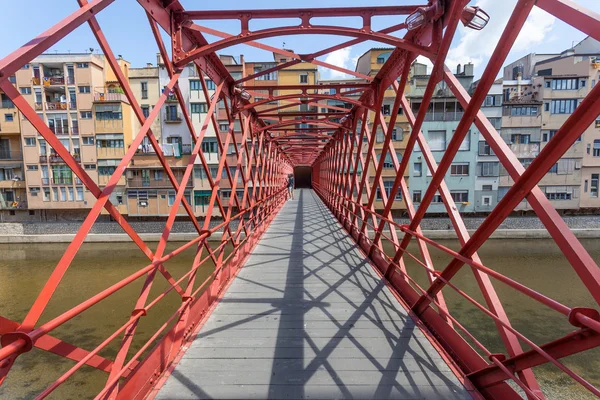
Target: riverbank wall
point(434, 228)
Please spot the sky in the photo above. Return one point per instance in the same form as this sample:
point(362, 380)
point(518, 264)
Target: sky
point(125, 25)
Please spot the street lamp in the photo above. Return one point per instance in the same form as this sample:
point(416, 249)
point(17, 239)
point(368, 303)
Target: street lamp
point(474, 18)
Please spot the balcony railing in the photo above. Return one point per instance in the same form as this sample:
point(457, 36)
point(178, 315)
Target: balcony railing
point(54, 80)
point(105, 97)
point(56, 159)
point(51, 106)
point(173, 119)
point(72, 105)
point(59, 130)
point(39, 106)
point(529, 150)
point(62, 180)
point(444, 116)
point(7, 154)
point(13, 205)
point(139, 182)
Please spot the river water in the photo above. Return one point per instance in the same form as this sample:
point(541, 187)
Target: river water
point(25, 268)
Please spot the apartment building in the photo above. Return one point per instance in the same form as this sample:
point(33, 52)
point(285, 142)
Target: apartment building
point(487, 174)
point(61, 88)
point(540, 96)
point(441, 120)
point(13, 195)
point(369, 64)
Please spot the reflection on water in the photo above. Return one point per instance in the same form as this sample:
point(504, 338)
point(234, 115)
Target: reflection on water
point(25, 268)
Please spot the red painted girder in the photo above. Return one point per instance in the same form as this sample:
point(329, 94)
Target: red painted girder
point(583, 264)
point(14, 61)
point(572, 343)
point(583, 116)
point(181, 58)
point(299, 57)
point(300, 12)
point(309, 87)
point(587, 21)
point(313, 96)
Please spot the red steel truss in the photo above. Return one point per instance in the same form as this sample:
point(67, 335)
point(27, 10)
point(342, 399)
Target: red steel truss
point(338, 143)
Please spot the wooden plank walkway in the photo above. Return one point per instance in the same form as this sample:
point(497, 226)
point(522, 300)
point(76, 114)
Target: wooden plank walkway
point(307, 317)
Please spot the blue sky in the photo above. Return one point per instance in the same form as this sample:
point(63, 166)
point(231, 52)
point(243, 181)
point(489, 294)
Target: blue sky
point(125, 25)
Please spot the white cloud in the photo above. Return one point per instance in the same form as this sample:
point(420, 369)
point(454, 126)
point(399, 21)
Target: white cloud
point(339, 58)
point(478, 46)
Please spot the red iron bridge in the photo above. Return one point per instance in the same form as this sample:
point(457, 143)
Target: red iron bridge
point(304, 302)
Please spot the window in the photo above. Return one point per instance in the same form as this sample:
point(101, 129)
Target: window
point(546, 136)
point(87, 140)
point(89, 167)
point(416, 198)
point(547, 83)
point(437, 140)
point(8, 117)
point(396, 136)
point(485, 149)
point(26, 66)
point(12, 79)
point(112, 143)
point(209, 145)
point(417, 169)
point(564, 84)
point(546, 106)
point(380, 60)
point(63, 194)
point(492, 101)
point(523, 111)
point(594, 185)
point(86, 114)
point(488, 169)
point(29, 141)
point(520, 139)
point(195, 84)
point(386, 109)
point(466, 143)
point(379, 136)
point(84, 89)
point(109, 112)
point(437, 199)
point(486, 187)
point(559, 196)
point(144, 88)
point(83, 65)
point(158, 175)
point(79, 193)
point(387, 186)
point(581, 83)
point(224, 127)
point(200, 173)
point(459, 169)
point(596, 152)
point(225, 194)
point(486, 200)
point(563, 106)
point(46, 194)
point(32, 167)
point(71, 194)
point(146, 110)
point(303, 78)
point(460, 196)
point(55, 193)
point(25, 90)
point(210, 85)
point(198, 108)
point(496, 122)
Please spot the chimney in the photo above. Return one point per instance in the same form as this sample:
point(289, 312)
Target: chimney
point(241, 58)
point(458, 69)
point(468, 69)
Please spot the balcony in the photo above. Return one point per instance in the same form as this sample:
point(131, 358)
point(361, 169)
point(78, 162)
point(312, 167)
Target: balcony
point(54, 158)
point(39, 106)
point(54, 80)
point(35, 80)
point(62, 180)
point(444, 116)
point(525, 150)
point(7, 104)
point(171, 118)
point(59, 130)
point(137, 182)
point(13, 205)
point(12, 155)
point(54, 106)
point(110, 152)
point(110, 97)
